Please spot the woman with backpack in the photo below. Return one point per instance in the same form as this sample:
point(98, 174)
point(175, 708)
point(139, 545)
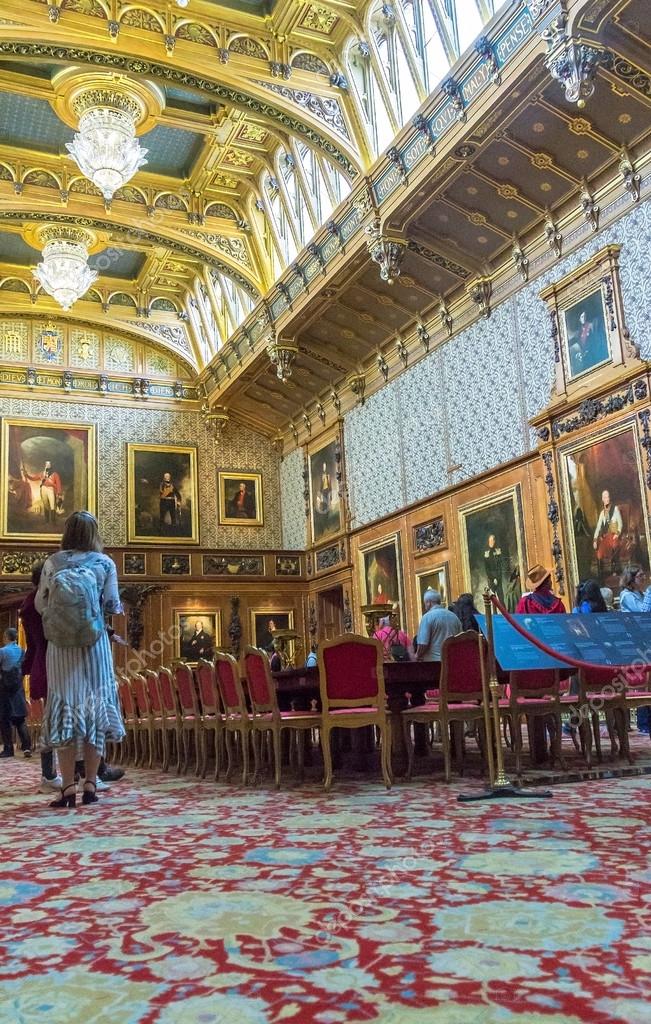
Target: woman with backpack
point(78, 588)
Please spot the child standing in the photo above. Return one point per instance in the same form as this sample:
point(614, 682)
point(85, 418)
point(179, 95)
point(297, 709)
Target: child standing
point(13, 706)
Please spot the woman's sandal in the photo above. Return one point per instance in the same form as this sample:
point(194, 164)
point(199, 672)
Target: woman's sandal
point(89, 796)
point(66, 799)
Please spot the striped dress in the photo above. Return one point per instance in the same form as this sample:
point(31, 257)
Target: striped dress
point(82, 701)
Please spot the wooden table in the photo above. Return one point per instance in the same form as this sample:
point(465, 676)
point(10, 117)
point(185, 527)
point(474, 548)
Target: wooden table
point(298, 687)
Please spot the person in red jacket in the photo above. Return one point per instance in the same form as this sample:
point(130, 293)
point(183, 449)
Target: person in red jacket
point(34, 667)
point(540, 600)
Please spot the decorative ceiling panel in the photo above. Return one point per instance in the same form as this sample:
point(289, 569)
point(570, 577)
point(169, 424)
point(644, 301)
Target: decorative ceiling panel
point(119, 263)
point(14, 250)
point(172, 151)
point(31, 123)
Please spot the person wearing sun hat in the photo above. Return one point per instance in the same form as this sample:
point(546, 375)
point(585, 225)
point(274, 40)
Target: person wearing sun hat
point(540, 600)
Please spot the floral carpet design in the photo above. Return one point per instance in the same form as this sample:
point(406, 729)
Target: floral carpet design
point(176, 901)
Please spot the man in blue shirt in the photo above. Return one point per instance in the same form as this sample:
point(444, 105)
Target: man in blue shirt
point(13, 706)
point(436, 625)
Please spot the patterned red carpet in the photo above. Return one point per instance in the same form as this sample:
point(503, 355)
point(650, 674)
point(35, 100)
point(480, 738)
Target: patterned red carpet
point(176, 902)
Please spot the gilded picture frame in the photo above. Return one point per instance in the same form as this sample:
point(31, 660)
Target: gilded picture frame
point(605, 537)
point(438, 578)
point(48, 471)
point(240, 498)
point(588, 325)
point(162, 494)
point(326, 489)
point(264, 622)
point(198, 633)
point(493, 549)
point(380, 569)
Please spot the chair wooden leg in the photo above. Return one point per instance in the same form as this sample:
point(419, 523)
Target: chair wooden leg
point(184, 739)
point(275, 735)
point(597, 735)
point(385, 753)
point(445, 743)
point(327, 758)
point(612, 726)
point(245, 757)
point(585, 732)
point(517, 743)
point(621, 725)
point(229, 754)
point(165, 748)
point(197, 750)
point(557, 749)
point(301, 737)
point(218, 751)
point(409, 746)
point(203, 764)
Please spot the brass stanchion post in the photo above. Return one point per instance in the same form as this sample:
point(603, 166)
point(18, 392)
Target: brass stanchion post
point(499, 785)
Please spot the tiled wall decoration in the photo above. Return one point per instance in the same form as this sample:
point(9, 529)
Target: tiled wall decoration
point(465, 408)
point(294, 531)
point(118, 425)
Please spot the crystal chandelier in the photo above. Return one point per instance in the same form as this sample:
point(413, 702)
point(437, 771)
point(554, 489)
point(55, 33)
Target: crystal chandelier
point(64, 272)
point(105, 147)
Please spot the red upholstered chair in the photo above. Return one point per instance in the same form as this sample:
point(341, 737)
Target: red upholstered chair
point(143, 711)
point(267, 717)
point(236, 719)
point(615, 693)
point(159, 732)
point(351, 680)
point(535, 694)
point(130, 716)
point(211, 717)
point(186, 692)
point(461, 693)
point(171, 716)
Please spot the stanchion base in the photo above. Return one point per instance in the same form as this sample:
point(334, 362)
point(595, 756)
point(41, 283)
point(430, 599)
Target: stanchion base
point(503, 793)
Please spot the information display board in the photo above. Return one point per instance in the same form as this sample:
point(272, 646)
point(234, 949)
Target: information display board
point(612, 638)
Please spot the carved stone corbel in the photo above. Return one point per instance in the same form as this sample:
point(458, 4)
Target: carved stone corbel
point(632, 178)
point(520, 259)
point(446, 319)
point(423, 336)
point(422, 125)
point(553, 235)
point(486, 52)
point(383, 366)
point(402, 350)
point(589, 206)
point(336, 401)
point(357, 384)
point(387, 250)
point(480, 292)
point(453, 92)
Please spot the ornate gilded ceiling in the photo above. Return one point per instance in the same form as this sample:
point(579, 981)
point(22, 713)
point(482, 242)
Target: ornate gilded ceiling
point(497, 163)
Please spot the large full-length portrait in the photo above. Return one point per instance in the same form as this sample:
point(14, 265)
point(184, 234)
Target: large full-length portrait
point(240, 498)
point(492, 543)
point(381, 572)
point(162, 494)
point(48, 471)
point(605, 506)
point(585, 336)
point(265, 625)
point(433, 579)
point(199, 634)
point(325, 502)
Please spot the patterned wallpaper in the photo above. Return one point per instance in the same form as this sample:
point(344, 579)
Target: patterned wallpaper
point(117, 425)
point(294, 521)
point(465, 408)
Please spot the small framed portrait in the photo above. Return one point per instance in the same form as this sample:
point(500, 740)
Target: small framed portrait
point(585, 337)
point(605, 502)
point(265, 623)
point(492, 547)
point(134, 564)
point(433, 579)
point(326, 506)
point(381, 572)
point(240, 498)
point(48, 471)
point(288, 565)
point(198, 633)
point(162, 494)
point(587, 323)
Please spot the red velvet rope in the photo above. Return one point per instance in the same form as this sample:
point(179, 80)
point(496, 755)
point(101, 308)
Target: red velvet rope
point(566, 658)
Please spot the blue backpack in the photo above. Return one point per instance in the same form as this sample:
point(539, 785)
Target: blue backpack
point(73, 616)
